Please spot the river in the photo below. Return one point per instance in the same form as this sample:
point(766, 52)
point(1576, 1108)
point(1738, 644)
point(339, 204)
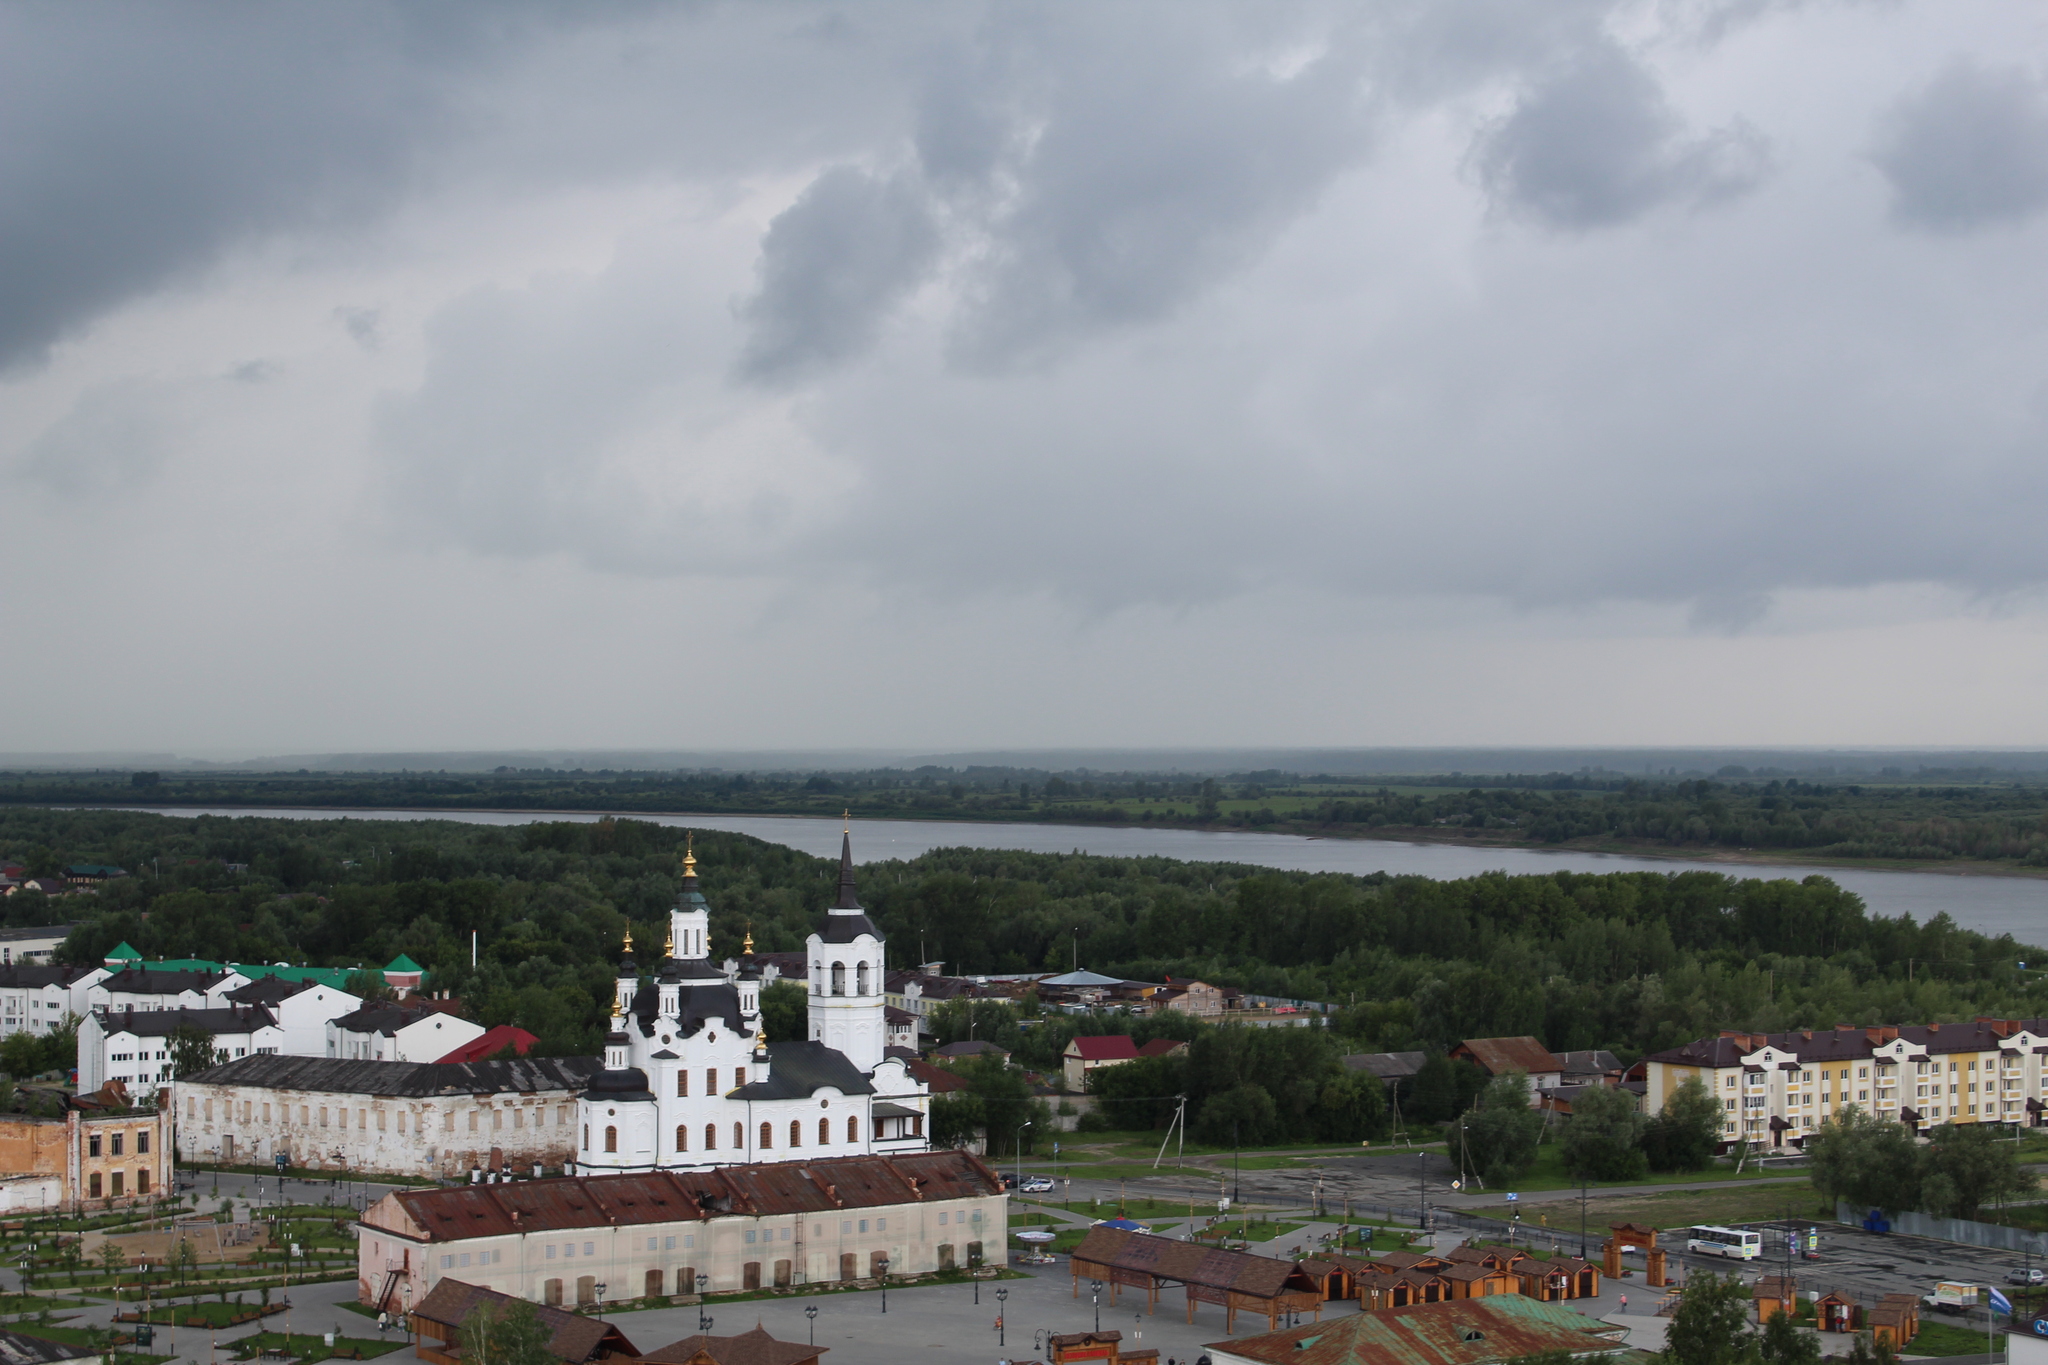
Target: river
point(1988, 904)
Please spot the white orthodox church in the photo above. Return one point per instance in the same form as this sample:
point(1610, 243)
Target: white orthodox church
point(691, 1080)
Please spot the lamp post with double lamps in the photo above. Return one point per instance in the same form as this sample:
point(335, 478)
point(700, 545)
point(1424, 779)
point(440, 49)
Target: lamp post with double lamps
point(811, 1312)
point(1001, 1327)
point(703, 1318)
point(1095, 1298)
point(1020, 1151)
point(882, 1270)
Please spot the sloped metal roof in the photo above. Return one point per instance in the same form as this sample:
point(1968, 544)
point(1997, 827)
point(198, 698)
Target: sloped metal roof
point(761, 1189)
point(1458, 1332)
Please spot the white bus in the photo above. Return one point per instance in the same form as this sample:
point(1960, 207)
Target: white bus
point(1736, 1243)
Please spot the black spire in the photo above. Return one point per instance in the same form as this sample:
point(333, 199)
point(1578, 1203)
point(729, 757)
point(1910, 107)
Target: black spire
point(847, 900)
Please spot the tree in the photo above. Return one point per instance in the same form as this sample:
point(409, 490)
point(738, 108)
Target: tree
point(191, 1049)
point(111, 1257)
point(786, 1012)
point(512, 1335)
point(1864, 1351)
point(1686, 1130)
point(1967, 1166)
point(1243, 1116)
point(21, 1054)
point(367, 985)
point(1868, 1161)
point(1501, 1134)
point(1784, 1342)
point(1711, 1326)
point(1602, 1140)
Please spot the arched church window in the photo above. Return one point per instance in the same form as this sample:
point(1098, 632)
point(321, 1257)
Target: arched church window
point(767, 1135)
point(710, 1137)
point(861, 979)
point(682, 1137)
point(739, 1135)
point(796, 1132)
point(586, 1137)
point(824, 1132)
point(611, 1138)
point(852, 1128)
point(839, 978)
point(817, 978)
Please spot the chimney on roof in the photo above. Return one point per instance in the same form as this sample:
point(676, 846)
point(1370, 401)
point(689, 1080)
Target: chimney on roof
point(1806, 1034)
point(1934, 1028)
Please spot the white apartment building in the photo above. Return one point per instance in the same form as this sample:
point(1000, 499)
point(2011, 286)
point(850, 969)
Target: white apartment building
point(404, 1118)
point(134, 1046)
point(303, 1009)
point(33, 944)
point(1777, 1088)
point(35, 997)
point(402, 1031)
point(668, 1232)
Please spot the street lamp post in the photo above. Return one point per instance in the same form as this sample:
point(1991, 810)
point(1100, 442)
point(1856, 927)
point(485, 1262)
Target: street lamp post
point(1001, 1295)
point(1020, 1151)
point(882, 1267)
point(703, 1318)
point(1422, 1191)
point(600, 1287)
point(1095, 1297)
point(811, 1312)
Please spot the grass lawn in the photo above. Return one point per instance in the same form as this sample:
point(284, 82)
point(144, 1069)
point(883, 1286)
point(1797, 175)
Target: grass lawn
point(1677, 1209)
point(1361, 1240)
point(307, 1348)
point(1258, 1230)
point(1944, 1339)
point(214, 1314)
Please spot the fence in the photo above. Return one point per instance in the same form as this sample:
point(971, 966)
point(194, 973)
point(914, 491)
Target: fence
point(1953, 1230)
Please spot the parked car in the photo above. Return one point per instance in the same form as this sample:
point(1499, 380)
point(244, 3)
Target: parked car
point(1009, 1182)
point(1040, 1184)
point(2024, 1274)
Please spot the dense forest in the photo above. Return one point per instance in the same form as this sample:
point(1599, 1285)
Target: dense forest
point(2002, 822)
point(1629, 961)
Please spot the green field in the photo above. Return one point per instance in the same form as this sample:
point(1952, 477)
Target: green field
point(306, 1349)
point(1677, 1209)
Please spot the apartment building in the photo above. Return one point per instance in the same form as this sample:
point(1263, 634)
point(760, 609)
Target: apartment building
point(35, 997)
point(1777, 1088)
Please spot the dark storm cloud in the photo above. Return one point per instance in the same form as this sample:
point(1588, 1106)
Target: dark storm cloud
point(832, 265)
point(1969, 150)
point(1599, 144)
point(1145, 163)
point(143, 141)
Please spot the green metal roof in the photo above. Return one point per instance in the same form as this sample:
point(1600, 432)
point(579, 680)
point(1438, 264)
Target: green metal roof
point(402, 963)
point(124, 951)
point(336, 977)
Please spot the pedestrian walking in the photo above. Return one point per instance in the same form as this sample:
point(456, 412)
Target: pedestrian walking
point(1624, 1303)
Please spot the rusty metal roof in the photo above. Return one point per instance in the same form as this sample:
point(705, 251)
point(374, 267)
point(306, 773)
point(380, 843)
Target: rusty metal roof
point(1496, 1055)
point(755, 1347)
point(575, 1338)
point(763, 1189)
point(1189, 1263)
point(1459, 1332)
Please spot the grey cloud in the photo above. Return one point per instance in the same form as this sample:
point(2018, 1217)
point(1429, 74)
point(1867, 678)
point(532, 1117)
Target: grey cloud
point(142, 143)
point(362, 325)
point(1969, 150)
point(114, 439)
point(832, 266)
point(1157, 162)
point(1598, 144)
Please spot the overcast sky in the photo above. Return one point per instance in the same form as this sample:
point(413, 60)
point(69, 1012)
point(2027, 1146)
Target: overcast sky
point(954, 375)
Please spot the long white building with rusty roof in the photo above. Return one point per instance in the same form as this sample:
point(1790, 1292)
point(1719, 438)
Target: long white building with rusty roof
point(591, 1239)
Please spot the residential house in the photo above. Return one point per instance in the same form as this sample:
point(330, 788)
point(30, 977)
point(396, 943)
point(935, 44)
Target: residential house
point(86, 876)
point(1498, 1056)
point(134, 1046)
point(398, 1031)
point(971, 1050)
point(1186, 996)
point(303, 1009)
point(431, 1119)
point(726, 1228)
point(1084, 1055)
point(1775, 1089)
point(1391, 1067)
point(35, 997)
